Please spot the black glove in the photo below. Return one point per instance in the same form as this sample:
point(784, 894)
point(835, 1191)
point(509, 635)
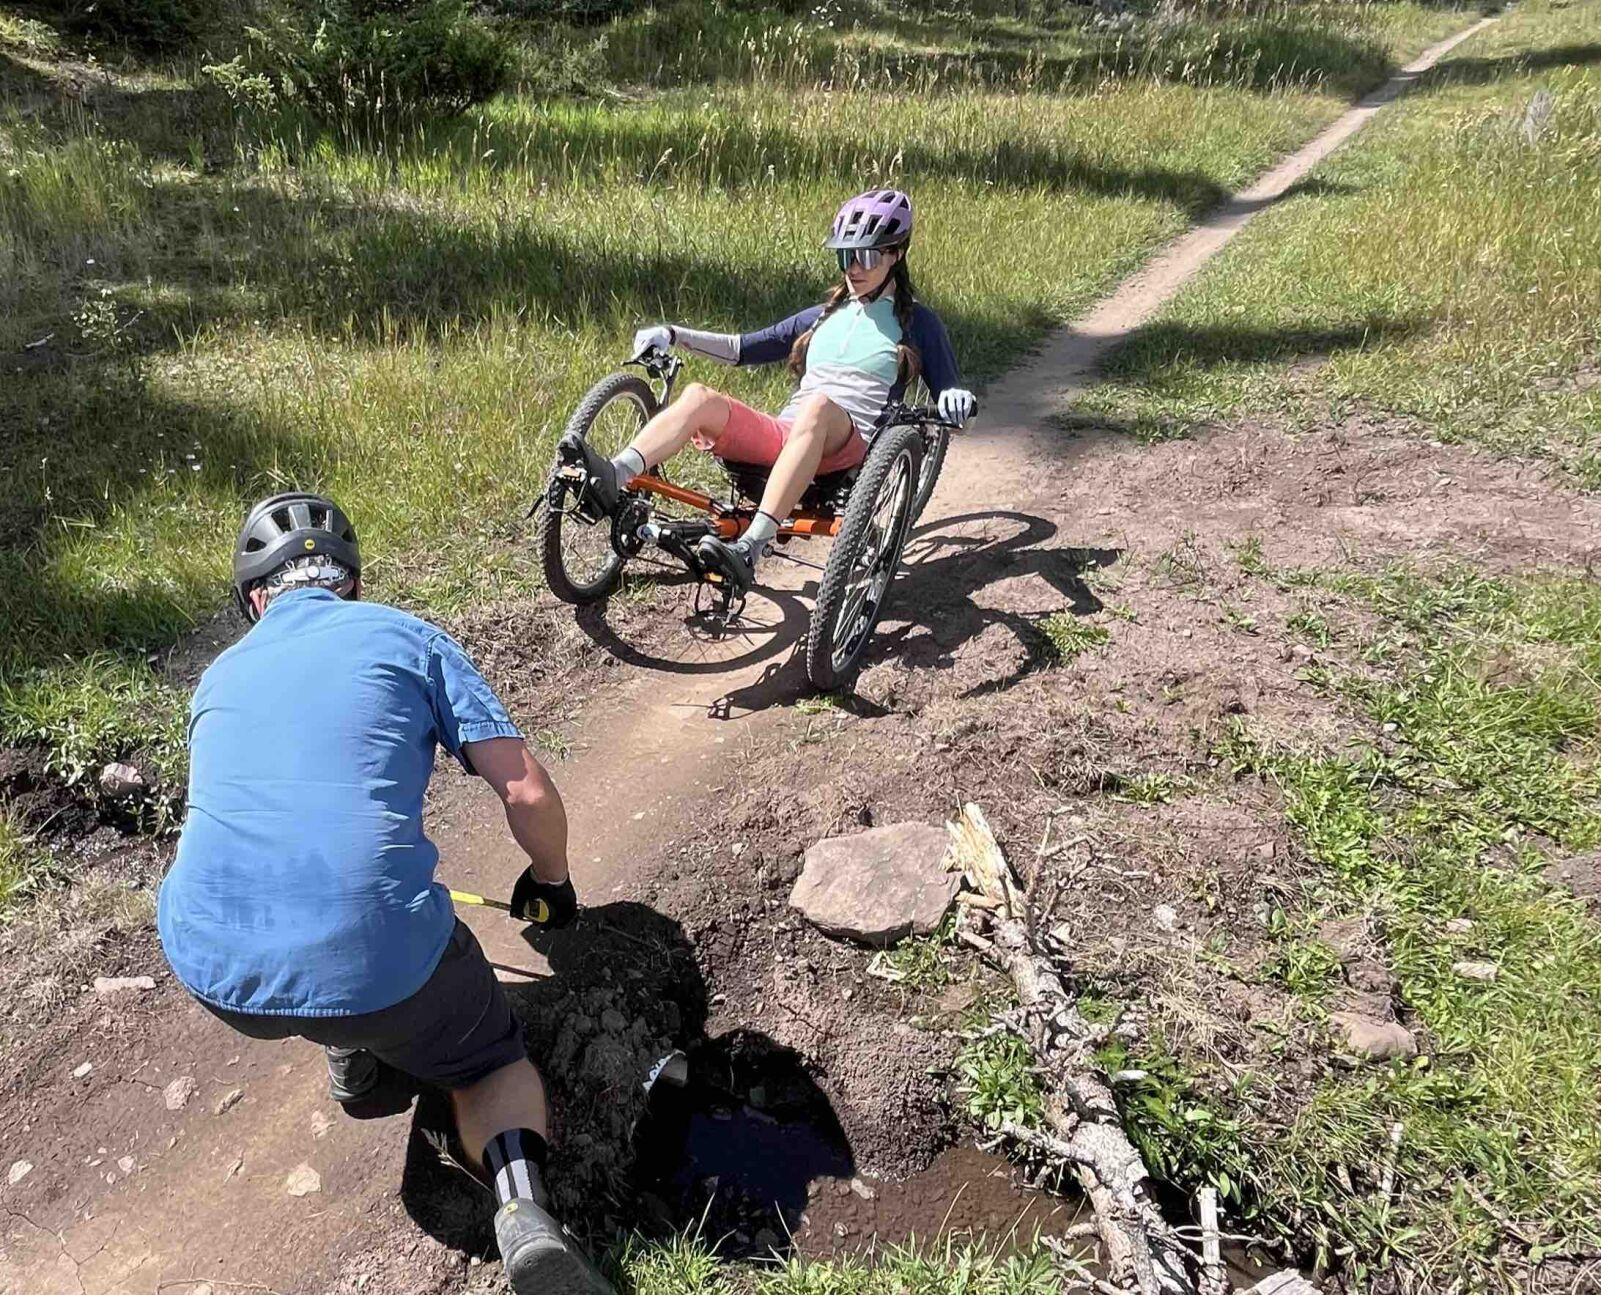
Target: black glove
point(543, 903)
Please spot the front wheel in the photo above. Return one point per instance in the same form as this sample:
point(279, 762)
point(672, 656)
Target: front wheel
point(581, 563)
point(867, 553)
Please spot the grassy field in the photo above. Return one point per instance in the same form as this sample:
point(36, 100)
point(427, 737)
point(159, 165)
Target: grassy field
point(1473, 316)
point(201, 305)
point(1483, 698)
point(1445, 270)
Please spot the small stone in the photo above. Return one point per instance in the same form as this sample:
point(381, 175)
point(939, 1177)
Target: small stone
point(1369, 977)
point(1165, 917)
point(116, 984)
point(1372, 1039)
point(613, 1021)
point(1300, 652)
point(235, 1167)
point(863, 1190)
point(1346, 937)
point(320, 1124)
point(302, 1181)
point(1470, 970)
point(126, 1164)
point(228, 1100)
point(1264, 851)
point(20, 1169)
point(1459, 926)
point(178, 1092)
point(737, 849)
point(83, 1070)
point(121, 781)
point(848, 994)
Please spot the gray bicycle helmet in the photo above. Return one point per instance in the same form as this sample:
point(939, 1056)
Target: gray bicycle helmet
point(286, 527)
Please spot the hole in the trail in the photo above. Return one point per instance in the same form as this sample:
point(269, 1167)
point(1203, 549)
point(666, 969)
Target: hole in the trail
point(733, 1147)
point(746, 1150)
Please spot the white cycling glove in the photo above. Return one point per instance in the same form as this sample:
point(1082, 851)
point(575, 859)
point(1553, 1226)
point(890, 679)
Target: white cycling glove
point(657, 335)
point(956, 406)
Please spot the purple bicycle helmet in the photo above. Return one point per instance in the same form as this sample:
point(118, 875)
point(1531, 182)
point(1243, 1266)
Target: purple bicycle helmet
point(877, 218)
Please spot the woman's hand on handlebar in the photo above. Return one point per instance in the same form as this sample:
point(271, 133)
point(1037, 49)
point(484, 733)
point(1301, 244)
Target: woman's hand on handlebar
point(956, 405)
point(657, 336)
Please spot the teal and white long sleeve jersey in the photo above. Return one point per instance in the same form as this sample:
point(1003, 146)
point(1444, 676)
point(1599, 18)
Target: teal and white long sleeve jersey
point(852, 358)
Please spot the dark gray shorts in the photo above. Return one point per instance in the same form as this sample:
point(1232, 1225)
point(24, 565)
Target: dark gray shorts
point(452, 1032)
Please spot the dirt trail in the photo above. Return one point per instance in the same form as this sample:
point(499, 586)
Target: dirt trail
point(649, 750)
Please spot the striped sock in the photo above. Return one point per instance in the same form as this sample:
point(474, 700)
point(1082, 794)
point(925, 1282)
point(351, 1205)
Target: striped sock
point(515, 1160)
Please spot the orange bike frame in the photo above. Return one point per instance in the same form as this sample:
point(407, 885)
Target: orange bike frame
point(730, 522)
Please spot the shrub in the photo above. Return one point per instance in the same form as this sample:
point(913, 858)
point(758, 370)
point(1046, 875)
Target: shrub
point(377, 59)
point(156, 26)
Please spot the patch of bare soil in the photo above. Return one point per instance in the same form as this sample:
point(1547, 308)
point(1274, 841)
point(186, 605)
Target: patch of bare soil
point(1360, 485)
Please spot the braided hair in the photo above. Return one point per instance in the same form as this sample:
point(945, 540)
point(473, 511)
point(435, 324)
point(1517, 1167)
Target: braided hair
point(908, 360)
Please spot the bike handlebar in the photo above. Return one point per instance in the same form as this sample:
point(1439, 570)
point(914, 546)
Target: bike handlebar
point(901, 415)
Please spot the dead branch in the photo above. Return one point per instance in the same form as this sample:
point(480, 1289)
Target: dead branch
point(1083, 1129)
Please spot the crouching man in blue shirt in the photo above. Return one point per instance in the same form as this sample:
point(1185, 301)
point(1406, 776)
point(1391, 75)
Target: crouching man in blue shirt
point(303, 901)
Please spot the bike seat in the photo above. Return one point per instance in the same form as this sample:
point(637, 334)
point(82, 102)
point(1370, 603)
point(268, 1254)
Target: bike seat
point(828, 491)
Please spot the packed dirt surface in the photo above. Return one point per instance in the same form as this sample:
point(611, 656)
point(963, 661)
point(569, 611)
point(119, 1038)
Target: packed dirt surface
point(696, 771)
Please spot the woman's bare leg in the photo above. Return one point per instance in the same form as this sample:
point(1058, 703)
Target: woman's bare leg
point(821, 428)
point(699, 411)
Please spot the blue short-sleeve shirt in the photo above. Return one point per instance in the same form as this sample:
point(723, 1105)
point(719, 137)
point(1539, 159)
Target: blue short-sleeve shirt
point(304, 885)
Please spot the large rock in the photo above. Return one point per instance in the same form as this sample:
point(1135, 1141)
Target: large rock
point(877, 886)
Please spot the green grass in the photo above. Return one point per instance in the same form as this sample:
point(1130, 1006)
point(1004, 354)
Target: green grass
point(235, 305)
point(1332, 45)
point(922, 964)
point(997, 1081)
point(1443, 269)
point(1068, 636)
point(979, 1266)
point(22, 863)
point(1482, 767)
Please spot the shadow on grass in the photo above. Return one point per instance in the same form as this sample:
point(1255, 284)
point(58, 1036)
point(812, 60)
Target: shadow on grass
point(1481, 71)
point(1176, 345)
point(730, 152)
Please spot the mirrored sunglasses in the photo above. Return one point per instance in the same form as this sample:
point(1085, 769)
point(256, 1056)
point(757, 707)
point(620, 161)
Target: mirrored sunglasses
point(869, 258)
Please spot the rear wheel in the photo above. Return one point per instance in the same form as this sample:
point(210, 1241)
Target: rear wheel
point(935, 439)
point(582, 564)
point(867, 553)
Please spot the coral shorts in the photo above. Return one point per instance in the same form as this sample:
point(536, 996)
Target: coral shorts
point(754, 437)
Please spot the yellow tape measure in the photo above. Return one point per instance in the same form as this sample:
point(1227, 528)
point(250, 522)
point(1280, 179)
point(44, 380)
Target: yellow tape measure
point(541, 908)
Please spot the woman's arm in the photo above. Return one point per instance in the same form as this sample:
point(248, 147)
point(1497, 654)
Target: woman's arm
point(772, 344)
point(940, 370)
point(722, 347)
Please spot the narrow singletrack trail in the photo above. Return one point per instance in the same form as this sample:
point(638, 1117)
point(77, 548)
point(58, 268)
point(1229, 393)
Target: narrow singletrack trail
point(204, 1208)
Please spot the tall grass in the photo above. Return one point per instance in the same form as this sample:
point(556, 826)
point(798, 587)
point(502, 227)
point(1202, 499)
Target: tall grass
point(1447, 268)
point(1338, 46)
